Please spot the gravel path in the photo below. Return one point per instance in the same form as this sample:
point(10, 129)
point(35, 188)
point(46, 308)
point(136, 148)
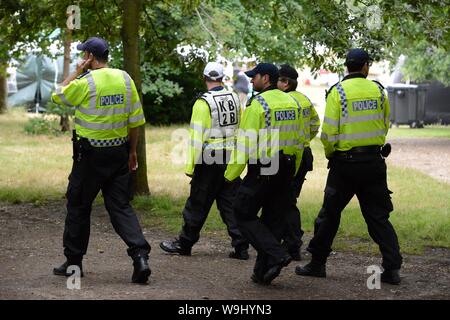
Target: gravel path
point(31, 247)
point(428, 155)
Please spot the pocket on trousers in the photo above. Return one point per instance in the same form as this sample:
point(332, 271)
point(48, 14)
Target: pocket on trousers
point(199, 192)
point(74, 191)
point(308, 159)
point(243, 204)
point(389, 204)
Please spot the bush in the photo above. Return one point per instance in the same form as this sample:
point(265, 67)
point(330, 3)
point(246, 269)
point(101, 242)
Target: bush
point(185, 83)
point(40, 125)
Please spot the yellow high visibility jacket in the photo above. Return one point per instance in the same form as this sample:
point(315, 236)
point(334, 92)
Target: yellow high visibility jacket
point(311, 119)
point(215, 118)
point(356, 114)
point(272, 116)
point(106, 104)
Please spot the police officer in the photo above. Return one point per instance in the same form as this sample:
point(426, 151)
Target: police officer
point(287, 82)
point(354, 131)
point(271, 141)
point(107, 116)
point(215, 118)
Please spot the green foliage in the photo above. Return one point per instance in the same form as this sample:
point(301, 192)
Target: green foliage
point(42, 126)
point(300, 32)
point(425, 63)
point(175, 108)
point(59, 110)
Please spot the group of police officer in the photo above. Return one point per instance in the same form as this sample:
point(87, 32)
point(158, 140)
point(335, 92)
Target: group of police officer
point(270, 137)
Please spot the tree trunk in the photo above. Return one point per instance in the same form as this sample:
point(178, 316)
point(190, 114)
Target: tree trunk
point(64, 121)
point(130, 38)
point(3, 89)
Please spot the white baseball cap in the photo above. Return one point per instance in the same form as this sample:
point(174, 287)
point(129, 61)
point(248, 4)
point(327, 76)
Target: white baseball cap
point(213, 70)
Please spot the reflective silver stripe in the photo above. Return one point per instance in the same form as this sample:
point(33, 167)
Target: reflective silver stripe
point(63, 97)
point(266, 109)
point(343, 98)
point(135, 106)
point(196, 144)
point(92, 91)
point(286, 127)
point(128, 88)
point(368, 117)
point(103, 111)
point(290, 143)
point(136, 119)
point(332, 122)
point(197, 127)
point(353, 136)
point(308, 137)
point(364, 135)
point(298, 106)
point(307, 123)
point(328, 138)
point(101, 126)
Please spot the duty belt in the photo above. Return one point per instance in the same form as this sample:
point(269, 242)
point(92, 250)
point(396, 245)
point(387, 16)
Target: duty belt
point(358, 152)
point(107, 143)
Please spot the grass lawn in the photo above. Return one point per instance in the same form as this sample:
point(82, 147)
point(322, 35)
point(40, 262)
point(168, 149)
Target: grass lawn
point(35, 169)
point(429, 131)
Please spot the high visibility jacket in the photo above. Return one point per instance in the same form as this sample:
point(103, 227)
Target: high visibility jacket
point(356, 114)
point(215, 118)
point(272, 117)
point(106, 104)
point(311, 119)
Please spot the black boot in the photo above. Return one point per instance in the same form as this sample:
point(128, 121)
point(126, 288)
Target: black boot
point(391, 276)
point(275, 270)
point(62, 269)
point(141, 270)
point(240, 254)
point(295, 255)
point(175, 247)
point(312, 269)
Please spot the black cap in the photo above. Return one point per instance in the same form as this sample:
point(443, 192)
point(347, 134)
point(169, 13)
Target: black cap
point(263, 69)
point(97, 46)
point(357, 56)
point(287, 71)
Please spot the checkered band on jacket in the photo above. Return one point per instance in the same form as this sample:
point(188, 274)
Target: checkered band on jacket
point(108, 143)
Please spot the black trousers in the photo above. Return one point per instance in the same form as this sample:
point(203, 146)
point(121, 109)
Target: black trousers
point(271, 193)
point(208, 184)
point(293, 233)
point(104, 169)
point(366, 179)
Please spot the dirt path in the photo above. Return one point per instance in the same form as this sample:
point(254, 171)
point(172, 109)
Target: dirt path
point(428, 155)
point(31, 246)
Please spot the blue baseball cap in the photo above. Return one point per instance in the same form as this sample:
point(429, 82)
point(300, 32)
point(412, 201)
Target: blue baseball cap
point(357, 56)
point(262, 69)
point(97, 46)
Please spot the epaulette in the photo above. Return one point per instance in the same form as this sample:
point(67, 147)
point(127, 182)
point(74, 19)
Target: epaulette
point(327, 92)
point(83, 74)
point(378, 83)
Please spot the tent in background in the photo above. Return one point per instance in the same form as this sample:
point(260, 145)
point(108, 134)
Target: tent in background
point(35, 80)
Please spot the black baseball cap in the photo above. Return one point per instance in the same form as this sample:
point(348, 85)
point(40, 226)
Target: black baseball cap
point(287, 71)
point(97, 46)
point(263, 69)
point(357, 56)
